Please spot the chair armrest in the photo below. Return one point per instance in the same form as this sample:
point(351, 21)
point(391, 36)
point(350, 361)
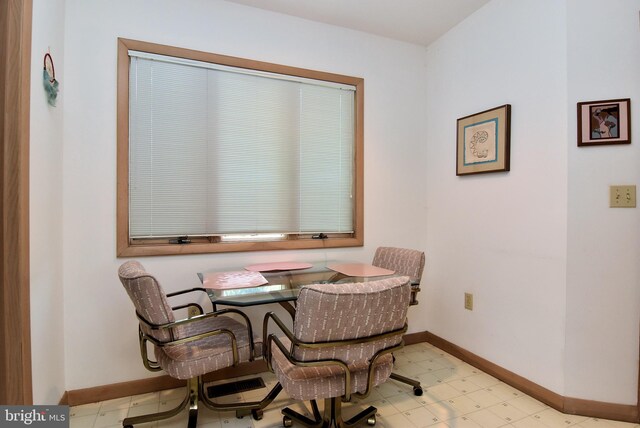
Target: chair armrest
point(315, 345)
point(198, 318)
point(190, 305)
point(194, 305)
point(266, 348)
point(268, 339)
point(265, 324)
point(178, 293)
point(334, 362)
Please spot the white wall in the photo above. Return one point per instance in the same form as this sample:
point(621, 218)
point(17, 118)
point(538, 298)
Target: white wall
point(501, 236)
point(45, 199)
point(603, 293)
point(554, 271)
point(100, 327)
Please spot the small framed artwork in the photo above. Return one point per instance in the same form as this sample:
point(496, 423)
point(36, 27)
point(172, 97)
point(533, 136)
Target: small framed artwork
point(604, 122)
point(483, 141)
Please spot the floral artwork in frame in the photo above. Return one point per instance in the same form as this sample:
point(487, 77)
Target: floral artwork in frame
point(483, 141)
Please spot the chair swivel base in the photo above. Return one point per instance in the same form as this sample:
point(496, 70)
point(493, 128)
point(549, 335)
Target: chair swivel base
point(196, 394)
point(417, 388)
point(332, 416)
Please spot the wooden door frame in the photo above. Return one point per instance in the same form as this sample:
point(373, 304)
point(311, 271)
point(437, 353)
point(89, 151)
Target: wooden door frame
point(15, 80)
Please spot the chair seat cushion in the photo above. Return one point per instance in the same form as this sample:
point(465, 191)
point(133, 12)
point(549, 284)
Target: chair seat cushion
point(310, 383)
point(212, 353)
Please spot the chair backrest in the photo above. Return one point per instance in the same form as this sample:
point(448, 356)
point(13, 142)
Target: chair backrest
point(331, 312)
point(401, 260)
point(147, 297)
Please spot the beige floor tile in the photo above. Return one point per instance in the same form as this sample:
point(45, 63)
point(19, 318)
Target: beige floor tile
point(397, 420)
point(486, 419)
point(445, 374)
point(596, 423)
point(463, 422)
point(232, 422)
point(484, 398)
point(145, 409)
point(444, 411)
point(85, 421)
point(428, 380)
point(84, 410)
point(404, 402)
point(389, 389)
point(508, 413)
point(172, 394)
point(504, 391)
point(464, 386)
point(528, 405)
point(110, 418)
point(145, 399)
point(529, 422)
point(464, 404)
point(483, 380)
point(553, 419)
point(456, 395)
point(385, 408)
point(421, 417)
point(118, 403)
point(442, 391)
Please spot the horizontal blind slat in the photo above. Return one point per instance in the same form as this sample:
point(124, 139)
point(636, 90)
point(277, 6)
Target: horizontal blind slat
point(215, 152)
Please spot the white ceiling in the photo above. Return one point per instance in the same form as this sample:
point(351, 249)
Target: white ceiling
point(415, 21)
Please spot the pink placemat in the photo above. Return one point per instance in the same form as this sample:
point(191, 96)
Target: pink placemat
point(235, 279)
point(359, 269)
point(267, 267)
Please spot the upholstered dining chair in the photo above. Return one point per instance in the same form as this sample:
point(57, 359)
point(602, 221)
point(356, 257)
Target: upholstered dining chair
point(403, 261)
point(408, 262)
point(340, 347)
point(189, 348)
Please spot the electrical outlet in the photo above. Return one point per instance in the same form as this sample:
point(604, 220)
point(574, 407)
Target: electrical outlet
point(468, 301)
point(622, 196)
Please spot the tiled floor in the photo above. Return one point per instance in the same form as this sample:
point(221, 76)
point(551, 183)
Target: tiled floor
point(456, 395)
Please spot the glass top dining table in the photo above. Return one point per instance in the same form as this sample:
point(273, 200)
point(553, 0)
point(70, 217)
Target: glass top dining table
point(282, 285)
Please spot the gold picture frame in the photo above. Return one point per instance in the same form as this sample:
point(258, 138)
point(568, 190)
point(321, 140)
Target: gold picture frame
point(484, 141)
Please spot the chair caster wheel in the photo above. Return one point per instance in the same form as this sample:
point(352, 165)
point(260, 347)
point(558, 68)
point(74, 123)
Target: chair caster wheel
point(417, 390)
point(371, 421)
point(257, 414)
point(286, 421)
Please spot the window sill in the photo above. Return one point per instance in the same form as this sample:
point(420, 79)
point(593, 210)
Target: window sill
point(142, 250)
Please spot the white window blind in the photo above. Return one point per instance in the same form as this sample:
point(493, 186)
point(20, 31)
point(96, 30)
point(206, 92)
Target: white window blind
point(217, 151)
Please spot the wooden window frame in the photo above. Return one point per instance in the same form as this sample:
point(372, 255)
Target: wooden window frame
point(126, 247)
point(16, 387)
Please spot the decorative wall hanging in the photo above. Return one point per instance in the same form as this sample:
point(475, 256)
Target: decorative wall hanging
point(49, 80)
point(484, 141)
point(604, 122)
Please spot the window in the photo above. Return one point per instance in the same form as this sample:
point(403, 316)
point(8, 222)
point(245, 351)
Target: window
point(218, 153)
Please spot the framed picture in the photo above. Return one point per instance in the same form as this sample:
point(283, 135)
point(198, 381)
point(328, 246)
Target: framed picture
point(484, 141)
point(604, 122)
